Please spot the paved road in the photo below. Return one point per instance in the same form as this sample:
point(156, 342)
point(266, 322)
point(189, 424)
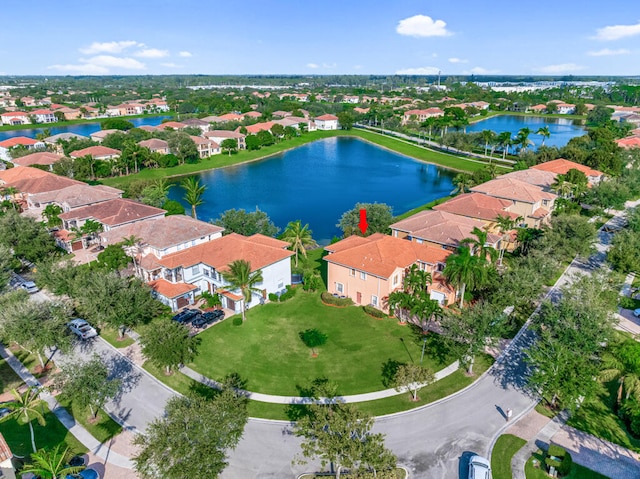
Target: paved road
point(144, 397)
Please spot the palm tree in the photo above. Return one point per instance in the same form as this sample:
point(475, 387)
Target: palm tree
point(430, 123)
point(504, 140)
point(27, 405)
point(299, 237)
point(465, 270)
point(463, 182)
point(51, 464)
point(544, 133)
point(10, 191)
point(240, 277)
point(562, 186)
point(193, 193)
point(522, 139)
point(621, 363)
point(480, 244)
point(504, 224)
point(488, 136)
point(135, 245)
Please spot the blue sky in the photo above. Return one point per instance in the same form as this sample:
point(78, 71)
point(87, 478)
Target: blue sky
point(69, 37)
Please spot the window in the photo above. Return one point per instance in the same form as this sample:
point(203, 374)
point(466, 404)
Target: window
point(374, 301)
point(363, 275)
point(418, 240)
point(340, 288)
point(440, 267)
point(206, 272)
point(195, 269)
point(280, 284)
point(395, 280)
point(352, 272)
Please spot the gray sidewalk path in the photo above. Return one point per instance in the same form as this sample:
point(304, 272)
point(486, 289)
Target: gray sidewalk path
point(274, 399)
point(65, 418)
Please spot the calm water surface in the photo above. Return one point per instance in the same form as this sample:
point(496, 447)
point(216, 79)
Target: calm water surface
point(562, 129)
point(84, 129)
point(318, 182)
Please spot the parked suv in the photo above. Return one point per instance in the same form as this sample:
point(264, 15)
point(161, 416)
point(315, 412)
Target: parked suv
point(186, 316)
point(208, 318)
point(29, 286)
point(82, 329)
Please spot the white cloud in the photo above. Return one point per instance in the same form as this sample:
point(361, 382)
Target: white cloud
point(185, 54)
point(110, 61)
point(422, 26)
point(605, 52)
point(480, 71)
point(152, 53)
point(615, 32)
point(313, 65)
point(171, 65)
point(109, 47)
point(457, 60)
point(84, 69)
point(419, 71)
point(329, 65)
point(560, 68)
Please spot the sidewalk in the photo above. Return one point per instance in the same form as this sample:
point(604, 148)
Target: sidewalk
point(274, 399)
point(95, 447)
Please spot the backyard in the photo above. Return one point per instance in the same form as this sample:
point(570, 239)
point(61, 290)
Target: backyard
point(358, 356)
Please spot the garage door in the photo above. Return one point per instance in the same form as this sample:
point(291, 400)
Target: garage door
point(182, 302)
point(438, 296)
point(76, 246)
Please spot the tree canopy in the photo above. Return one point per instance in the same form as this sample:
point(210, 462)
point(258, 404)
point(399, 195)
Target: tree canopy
point(246, 223)
point(169, 344)
point(379, 217)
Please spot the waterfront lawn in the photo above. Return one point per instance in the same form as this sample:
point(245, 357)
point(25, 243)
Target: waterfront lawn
point(16, 433)
point(596, 416)
point(103, 428)
point(505, 448)
point(267, 352)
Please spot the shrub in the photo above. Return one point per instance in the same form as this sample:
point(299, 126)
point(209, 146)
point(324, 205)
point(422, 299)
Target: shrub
point(312, 282)
point(559, 458)
point(273, 297)
point(372, 311)
point(629, 303)
point(328, 298)
point(291, 292)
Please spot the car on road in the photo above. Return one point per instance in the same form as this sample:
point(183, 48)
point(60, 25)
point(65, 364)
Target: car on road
point(208, 318)
point(186, 316)
point(479, 468)
point(29, 286)
point(82, 329)
point(636, 313)
point(87, 473)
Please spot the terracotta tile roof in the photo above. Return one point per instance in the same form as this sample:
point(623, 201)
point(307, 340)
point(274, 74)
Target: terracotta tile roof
point(18, 140)
point(42, 112)
point(380, 255)
point(5, 451)
point(346, 243)
point(102, 133)
point(64, 235)
point(327, 117)
point(163, 232)
point(252, 114)
point(477, 205)
point(39, 158)
point(224, 134)
point(171, 290)
point(269, 241)
point(154, 144)
point(14, 113)
point(441, 227)
point(222, 251)
point(77, 195)
point(149, 262)
point(230, 295)
point(195, 122)
point(260, 127)
point(95, 152)
point(512, 189)
point(281, 113)
point(562, 166)
point(64, 136)
point(629, 142)
point(33, 180)
point(230, 117)
point(148, 128)
point(539, 213)
point(113, 212)
point(537, 177)
point(171, 124)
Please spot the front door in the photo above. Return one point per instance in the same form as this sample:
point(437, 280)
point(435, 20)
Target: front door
point(358, 297)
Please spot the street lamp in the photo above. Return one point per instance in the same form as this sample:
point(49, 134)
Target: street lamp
point(424, 344)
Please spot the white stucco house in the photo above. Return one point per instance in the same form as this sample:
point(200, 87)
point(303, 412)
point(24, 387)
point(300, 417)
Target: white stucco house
point(327, 122)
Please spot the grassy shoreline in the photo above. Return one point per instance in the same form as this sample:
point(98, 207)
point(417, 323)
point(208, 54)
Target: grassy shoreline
point(36, 126)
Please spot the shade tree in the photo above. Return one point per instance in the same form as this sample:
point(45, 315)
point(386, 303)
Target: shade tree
point(379, 218)
point(169, 344)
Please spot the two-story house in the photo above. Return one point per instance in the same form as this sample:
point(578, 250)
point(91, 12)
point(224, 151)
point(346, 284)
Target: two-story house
point(220, 135)
point(326, 122)
point(28, 143)
point(155, 145)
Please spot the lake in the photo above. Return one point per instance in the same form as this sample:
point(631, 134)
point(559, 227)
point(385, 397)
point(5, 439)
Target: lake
point(84, 129)
point(562, 129)
point(317, 182)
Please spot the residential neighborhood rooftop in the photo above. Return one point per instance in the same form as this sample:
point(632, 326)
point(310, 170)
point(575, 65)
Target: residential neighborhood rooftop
point(477, 205)
point(43, 158)
point(513, 189)
point(113, 212)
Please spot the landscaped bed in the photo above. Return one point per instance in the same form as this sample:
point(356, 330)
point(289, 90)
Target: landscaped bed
point(505, 448)
point(266, 350)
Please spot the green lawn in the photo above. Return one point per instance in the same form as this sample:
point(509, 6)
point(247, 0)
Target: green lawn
point(505, 448)
point(577, 472)
point(541, 408)
point(17, 128)
point(267, 352)
point(8, 378)
point(112, 336)
point(16, 433)
point(595, 416)
point(103, 429)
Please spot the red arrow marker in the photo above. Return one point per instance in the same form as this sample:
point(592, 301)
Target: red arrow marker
point(363, 221)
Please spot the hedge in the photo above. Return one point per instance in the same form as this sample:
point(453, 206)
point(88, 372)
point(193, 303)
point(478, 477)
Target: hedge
point(331, 299)
point(375, 312)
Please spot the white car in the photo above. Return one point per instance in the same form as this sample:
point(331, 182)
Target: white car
point(30, 287)
point(479, 468)
point(82, 329)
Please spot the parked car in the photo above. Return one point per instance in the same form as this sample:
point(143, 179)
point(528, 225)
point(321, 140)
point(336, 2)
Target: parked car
point(636, 313)
point(87, 473)
point(479, 468)
point(186, 316)
point(4, 410)
point(29, 286)
point(82, 329)
point(608, 228)
point(208, 318)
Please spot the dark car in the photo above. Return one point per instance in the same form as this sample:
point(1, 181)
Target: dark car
point(186, 316)
point(208, 318)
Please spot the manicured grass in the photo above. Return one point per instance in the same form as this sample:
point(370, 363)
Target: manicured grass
point(112, 336)
point(427, 206)
point(577, 472)
point(103, 429)
point(177, 381)
point(16, 433)
point(30, 361)
point(8, 378)
point(505, 448)
point(266, 350)
point(75, 122)
point(243, 156)
point(545, 411)
point(595, 416)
